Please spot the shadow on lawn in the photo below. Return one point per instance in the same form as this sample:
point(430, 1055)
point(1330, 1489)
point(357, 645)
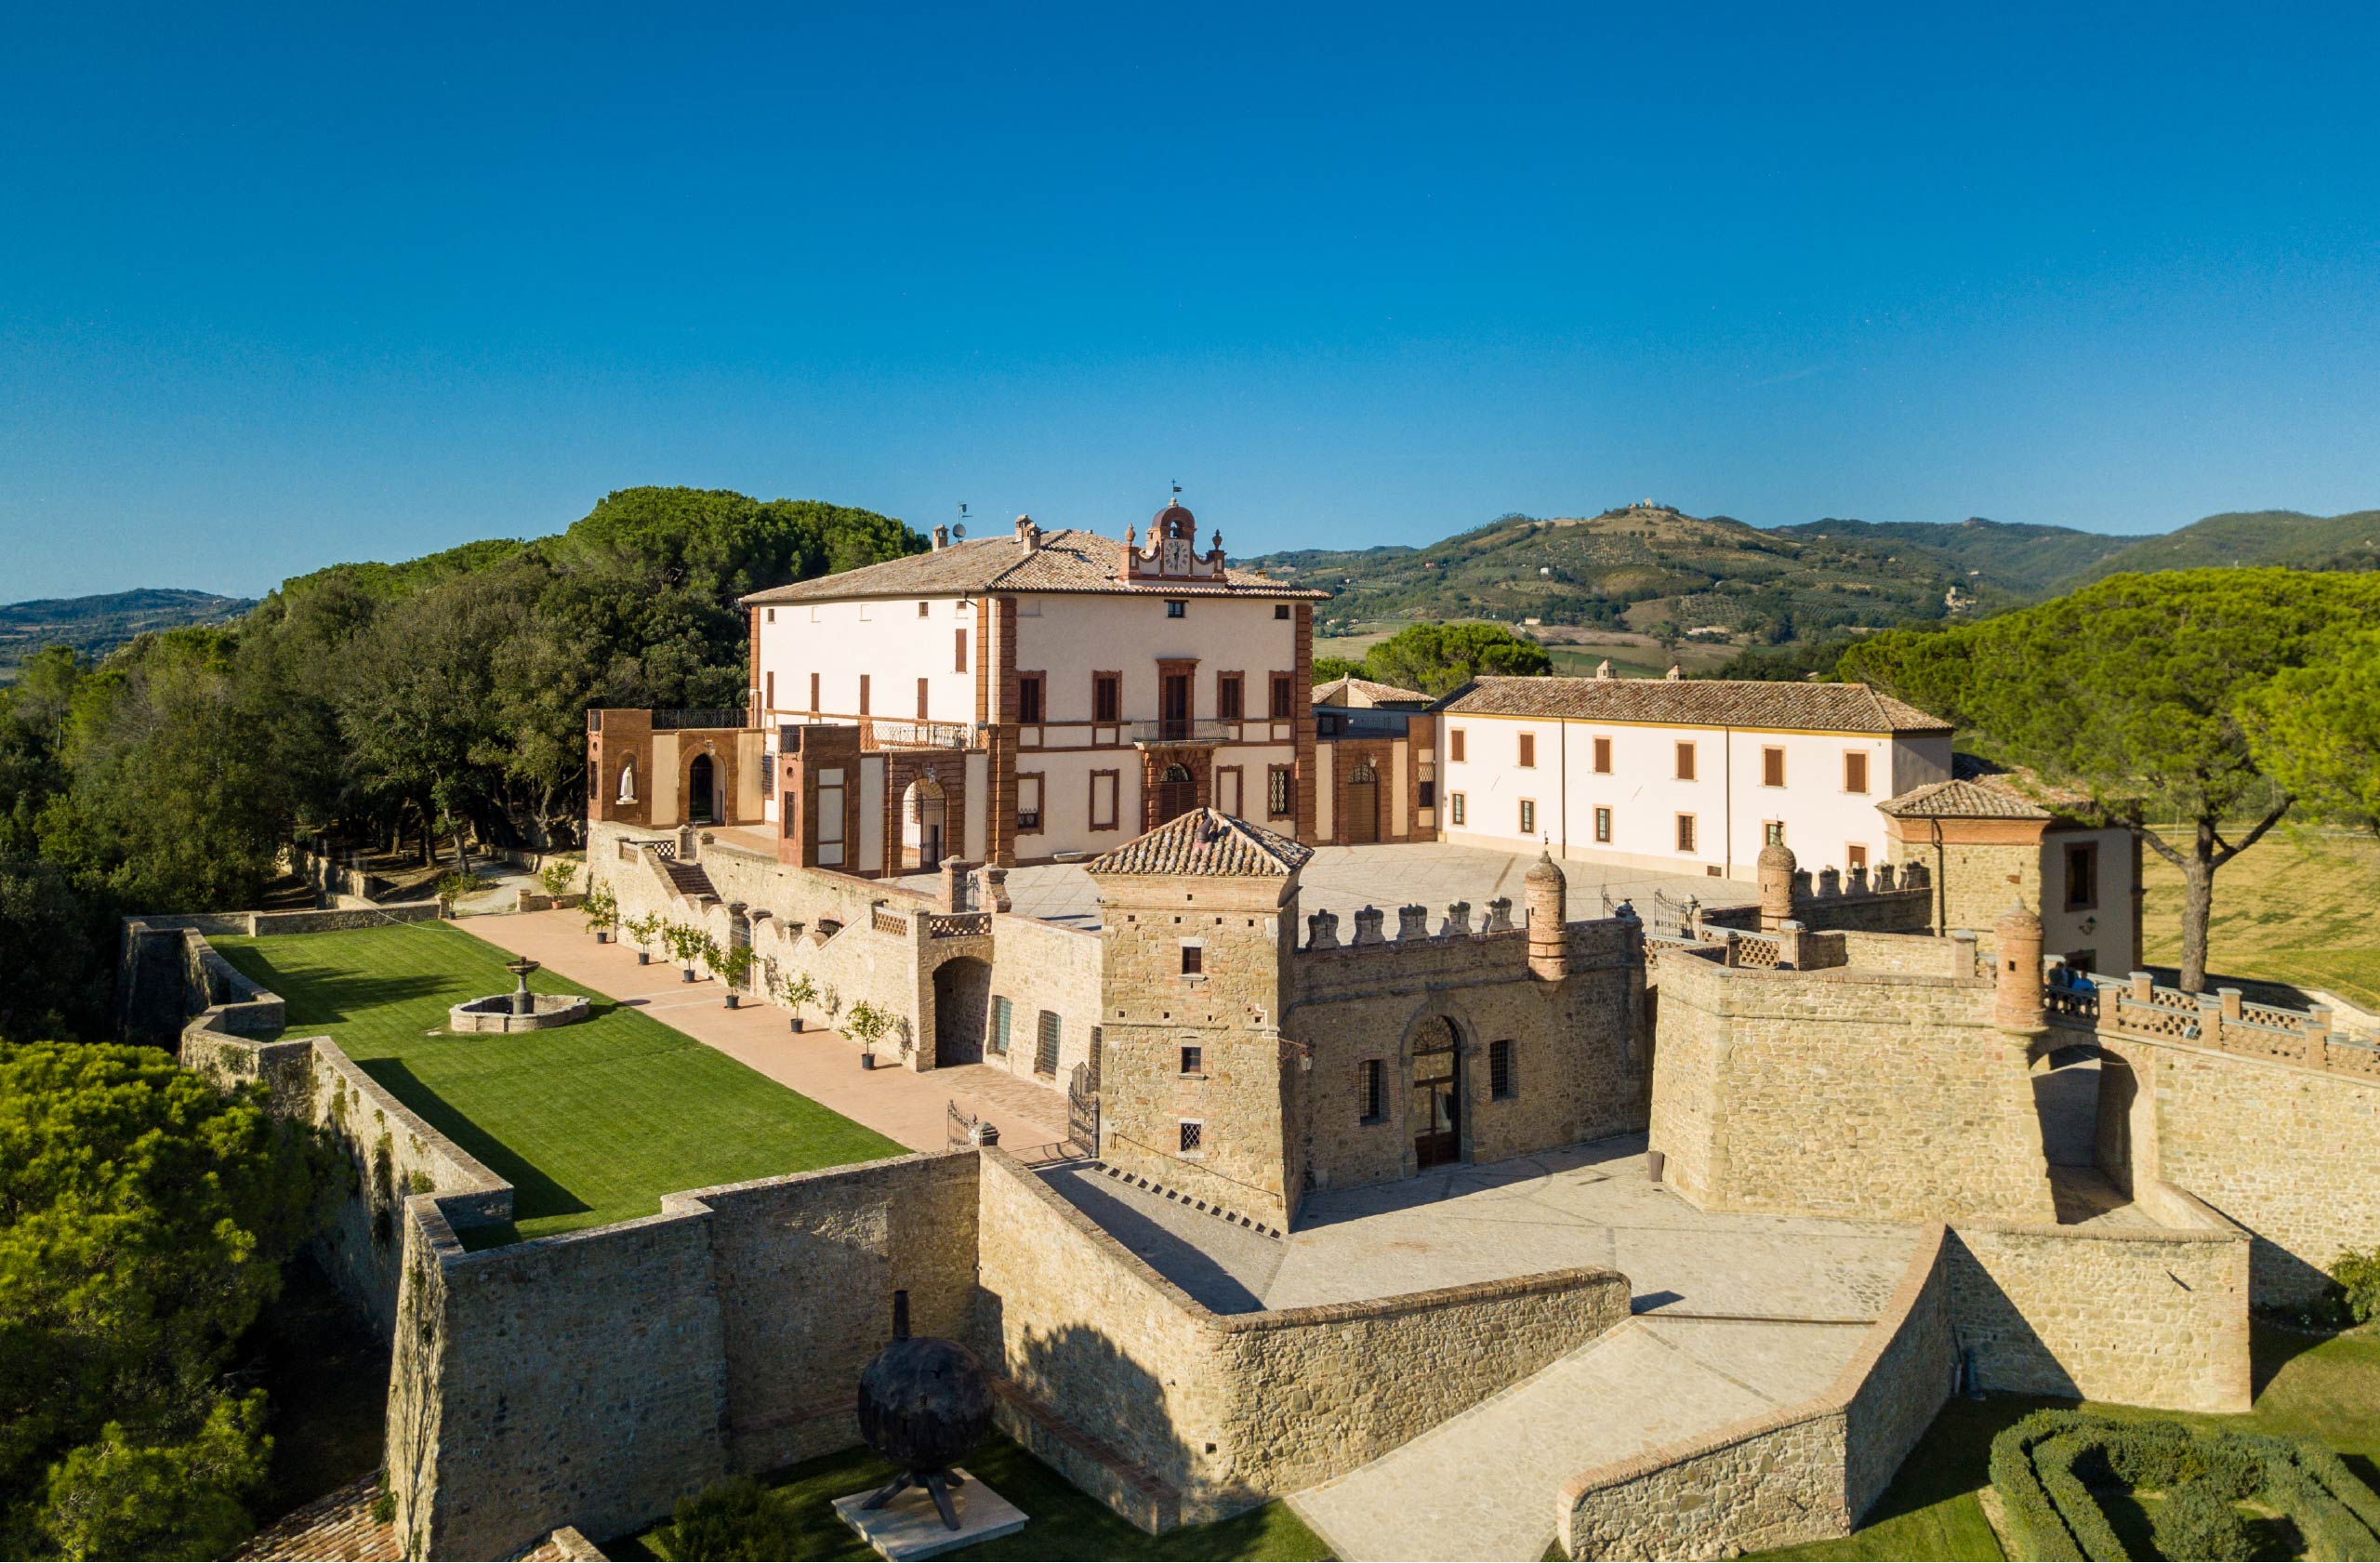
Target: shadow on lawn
point(318, 995)
point(533, 1194)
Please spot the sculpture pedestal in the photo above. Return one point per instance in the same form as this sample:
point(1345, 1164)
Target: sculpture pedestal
point(909, 1527)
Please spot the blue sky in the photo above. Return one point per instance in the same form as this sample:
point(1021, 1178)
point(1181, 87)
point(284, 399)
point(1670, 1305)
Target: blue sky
point(287, 288)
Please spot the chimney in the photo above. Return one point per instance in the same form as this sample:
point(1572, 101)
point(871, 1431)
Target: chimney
point(1603, 668)
point(941, 538)
point(1674, 672)
point(1027, 534)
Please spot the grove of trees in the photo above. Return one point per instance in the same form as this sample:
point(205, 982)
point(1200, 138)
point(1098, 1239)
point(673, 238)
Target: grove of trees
point(1439, 658)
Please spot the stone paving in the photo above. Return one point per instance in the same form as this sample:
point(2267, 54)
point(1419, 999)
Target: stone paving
point(1429, 873)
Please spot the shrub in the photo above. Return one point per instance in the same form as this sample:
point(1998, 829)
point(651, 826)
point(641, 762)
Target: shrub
point(558, 875)
point(737, 1518)
point(2033, 1523)
point(2053, 1461)
point(2358, 1276)
point(2197, 1520)
point(2322, 1467)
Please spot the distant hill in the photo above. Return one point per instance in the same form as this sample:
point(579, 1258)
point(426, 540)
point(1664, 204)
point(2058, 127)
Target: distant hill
point(95, 626)
point(2310, 542)
point(1646, 566)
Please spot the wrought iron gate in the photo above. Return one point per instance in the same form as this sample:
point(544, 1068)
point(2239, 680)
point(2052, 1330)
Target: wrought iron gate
point(1082, 1109)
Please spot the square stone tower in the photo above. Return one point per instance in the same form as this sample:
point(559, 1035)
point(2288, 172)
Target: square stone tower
point(1197, 923)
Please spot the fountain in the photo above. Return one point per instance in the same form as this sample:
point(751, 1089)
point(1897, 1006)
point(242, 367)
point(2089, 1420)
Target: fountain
point(518, 1010)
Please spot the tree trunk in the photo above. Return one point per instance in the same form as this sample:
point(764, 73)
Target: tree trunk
point(2198, 908)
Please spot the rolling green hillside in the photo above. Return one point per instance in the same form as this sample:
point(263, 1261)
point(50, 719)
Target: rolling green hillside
point(95, 626)
point(2339, 542)
point(1992, 556)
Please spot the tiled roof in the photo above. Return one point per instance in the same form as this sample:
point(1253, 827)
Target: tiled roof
point(1205, 841)
point(1337, 689)
point(1066, 561)
point(1824, 707)
point(1979, 790)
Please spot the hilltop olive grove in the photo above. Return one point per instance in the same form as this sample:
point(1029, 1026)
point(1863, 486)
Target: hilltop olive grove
point(415, 703)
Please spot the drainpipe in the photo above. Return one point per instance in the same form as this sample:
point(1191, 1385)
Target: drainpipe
point(1942, 880)
point(1727, 800)
point(1562, 732)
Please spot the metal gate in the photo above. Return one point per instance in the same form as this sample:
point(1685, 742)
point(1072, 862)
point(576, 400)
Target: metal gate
point(1082, 1109)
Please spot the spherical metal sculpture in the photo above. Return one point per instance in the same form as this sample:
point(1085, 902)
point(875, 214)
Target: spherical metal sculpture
point(923, 1403)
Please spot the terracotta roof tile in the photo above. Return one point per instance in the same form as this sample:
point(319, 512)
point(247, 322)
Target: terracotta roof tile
point(1979, 790)
point(1825, 708)
point(1205, 841)
point(1325, 693)
point(1066, 561)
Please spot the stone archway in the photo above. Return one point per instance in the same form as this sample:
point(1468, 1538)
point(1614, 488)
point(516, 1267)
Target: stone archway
point(925, 826)
point(962, 1006)
point(702, 791)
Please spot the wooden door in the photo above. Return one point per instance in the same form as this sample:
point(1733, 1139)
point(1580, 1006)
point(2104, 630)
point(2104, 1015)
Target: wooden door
point(1362, 825)
point(1177, 793)
point(1173, 708)
point(1436, 1107)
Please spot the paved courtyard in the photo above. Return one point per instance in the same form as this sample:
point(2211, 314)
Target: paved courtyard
point(1428, 873)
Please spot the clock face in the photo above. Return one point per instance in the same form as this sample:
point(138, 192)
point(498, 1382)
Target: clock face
point(1177, 556)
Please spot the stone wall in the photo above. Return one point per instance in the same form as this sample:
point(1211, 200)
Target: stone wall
point(1228, 1410)
point(596, 1377)
point(2143, 1318)
point(1796, 1474)
point(1843, 1092)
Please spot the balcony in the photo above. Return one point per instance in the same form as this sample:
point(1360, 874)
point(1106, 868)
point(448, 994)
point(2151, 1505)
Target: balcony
point(1184, 730)
point(918, 735)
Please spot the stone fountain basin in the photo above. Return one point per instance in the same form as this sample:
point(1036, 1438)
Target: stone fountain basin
point(495, 1012)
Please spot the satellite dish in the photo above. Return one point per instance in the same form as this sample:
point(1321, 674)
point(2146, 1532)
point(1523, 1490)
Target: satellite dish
point(960, 531)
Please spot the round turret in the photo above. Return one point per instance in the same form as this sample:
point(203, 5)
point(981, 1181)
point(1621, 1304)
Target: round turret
point(1546, 894)
point(1775, 870)
point(2017, 1006)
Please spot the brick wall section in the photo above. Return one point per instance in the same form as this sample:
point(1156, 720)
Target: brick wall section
point(2139, 1317)
point(1286, 1398)
point(1307, 816)
point(1796, 1475)
point(1843, 1093)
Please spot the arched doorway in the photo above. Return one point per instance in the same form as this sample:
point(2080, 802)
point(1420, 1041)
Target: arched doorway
point(702, 792)
point(1177, 792)
point(1363, 805)
point(1436, 1107)
point(924, 815)
point(962, 1005)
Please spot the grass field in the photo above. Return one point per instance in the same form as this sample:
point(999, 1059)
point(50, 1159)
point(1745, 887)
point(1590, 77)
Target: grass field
point(1064, 1523)
point(2296, 907)
point(2326, 1389)
point(592, 1123)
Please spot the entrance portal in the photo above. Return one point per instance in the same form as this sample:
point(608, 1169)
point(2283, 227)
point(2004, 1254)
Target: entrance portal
point(923, 814)
point(702, 805)
point(1437, 1097)
point(1177, 793)
point(1363, 805)
point(962, 1003)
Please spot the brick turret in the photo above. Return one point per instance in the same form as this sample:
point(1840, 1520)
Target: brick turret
point(1548, 899)
point(1777, 865)
point(2018, 1005)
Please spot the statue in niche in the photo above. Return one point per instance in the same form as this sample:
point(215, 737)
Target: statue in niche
point(627, 781)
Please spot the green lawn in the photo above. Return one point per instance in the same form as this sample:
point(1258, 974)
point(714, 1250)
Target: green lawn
point(1063, 1524)
point(2295, 908)
point(2327, 1389)
point(592, 1123)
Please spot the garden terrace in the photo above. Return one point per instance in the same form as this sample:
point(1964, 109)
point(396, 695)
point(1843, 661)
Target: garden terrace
point(592, 1123)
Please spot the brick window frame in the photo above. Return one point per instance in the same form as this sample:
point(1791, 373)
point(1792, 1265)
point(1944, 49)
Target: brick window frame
point(1529, 816)
point(1230, 690)
point(1603, 824)
point(1113, 817)
point(1284, 697)
point(1280, 791)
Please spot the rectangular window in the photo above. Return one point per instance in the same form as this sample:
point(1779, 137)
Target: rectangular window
point(961, 664)
point(1176, 608)
point(1686, 761)
point(1285, 696)
point(1454, 745)
point(1375, 1096)
point(1427, 795)
point(1227, 790)
point(1772, 767)
point(1500, 1086)
point(1103, 799)
point(1030, 707)
point(1045, 1044)
point(2081, 876)
point(999, 1025)
point(1686, 832)
point(1194, 960)
point(1227, 696)
point(1772, 833)
point(1528, 751)
point(1028, 802)
point(923, 687)
point(1193, 1134)
point(1455, 802)
point(1603, 757)
point(773, 616)
point(1855, 772)
point(1280, 610)
point(1855, 856)
point(1279, 792)
point(769, 701)
point(863, 695)
point(1529, 816)
point(1194, 1061)
point(922, 609)
point(813, 694)
point(1106, 697)
point(1602, 826)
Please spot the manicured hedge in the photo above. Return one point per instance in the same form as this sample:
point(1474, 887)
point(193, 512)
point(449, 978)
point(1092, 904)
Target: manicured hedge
point(2045, 1466)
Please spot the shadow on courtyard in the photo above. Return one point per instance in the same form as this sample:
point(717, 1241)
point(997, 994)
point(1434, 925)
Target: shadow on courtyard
point(534, 1195)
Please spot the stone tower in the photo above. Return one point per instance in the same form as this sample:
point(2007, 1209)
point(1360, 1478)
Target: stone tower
point(2016, 1006)
point(1776, 872)
point(1547, 898)
point(1198, 926)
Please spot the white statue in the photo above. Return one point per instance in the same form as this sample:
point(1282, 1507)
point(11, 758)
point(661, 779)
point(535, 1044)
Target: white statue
point(627, 781)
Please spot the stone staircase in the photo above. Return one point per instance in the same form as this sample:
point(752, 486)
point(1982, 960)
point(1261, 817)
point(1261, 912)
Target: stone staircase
point(689, 880)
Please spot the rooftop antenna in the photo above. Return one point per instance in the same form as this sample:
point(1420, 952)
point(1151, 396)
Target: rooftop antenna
point(960, 531)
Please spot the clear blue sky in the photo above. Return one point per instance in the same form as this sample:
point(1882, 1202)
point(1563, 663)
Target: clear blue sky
point(340, 282)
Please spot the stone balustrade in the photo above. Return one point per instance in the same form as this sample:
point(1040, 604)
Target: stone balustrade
point(2223, 1020)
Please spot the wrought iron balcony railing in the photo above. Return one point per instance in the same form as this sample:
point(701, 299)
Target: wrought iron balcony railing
point(1184, 730)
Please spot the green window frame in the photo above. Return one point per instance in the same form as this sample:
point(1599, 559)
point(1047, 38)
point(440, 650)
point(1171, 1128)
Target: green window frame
point(999, 1025)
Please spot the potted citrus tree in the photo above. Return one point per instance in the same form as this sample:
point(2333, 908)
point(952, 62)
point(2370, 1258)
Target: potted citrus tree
point(685, 944)
point(867, 1024)
point(734, 966)
point(799, 990)
point(601, 909)
point(641, 928)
